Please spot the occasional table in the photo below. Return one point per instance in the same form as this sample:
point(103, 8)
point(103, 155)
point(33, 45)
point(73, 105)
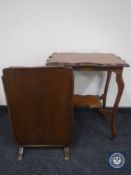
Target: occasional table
point(95, 62)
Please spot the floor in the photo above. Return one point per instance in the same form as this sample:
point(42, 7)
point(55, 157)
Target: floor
point(89, 152)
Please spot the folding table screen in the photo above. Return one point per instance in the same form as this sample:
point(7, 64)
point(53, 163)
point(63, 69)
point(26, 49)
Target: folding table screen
point(40, 106)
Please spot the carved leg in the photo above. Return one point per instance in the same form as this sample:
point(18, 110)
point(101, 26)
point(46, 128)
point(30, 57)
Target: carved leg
point(103, 110)
point(20, 153)
point(66, 153)
point(112, 112)
point(106, 88)
point(120, 84)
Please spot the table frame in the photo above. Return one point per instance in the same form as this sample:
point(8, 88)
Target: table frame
point(111, 112)
point(109, 63)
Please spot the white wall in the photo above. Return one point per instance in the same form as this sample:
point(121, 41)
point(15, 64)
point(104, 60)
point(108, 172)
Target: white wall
point(30, 30)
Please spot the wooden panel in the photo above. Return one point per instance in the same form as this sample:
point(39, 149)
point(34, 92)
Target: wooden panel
point(87, 100)
point(40, 104)
point(87, 59)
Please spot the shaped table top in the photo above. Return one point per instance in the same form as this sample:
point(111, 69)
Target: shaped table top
point(86, 59)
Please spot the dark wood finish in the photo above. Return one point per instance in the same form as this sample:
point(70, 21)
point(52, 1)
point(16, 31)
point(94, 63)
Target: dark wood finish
point(95, 62)
point(40, 105)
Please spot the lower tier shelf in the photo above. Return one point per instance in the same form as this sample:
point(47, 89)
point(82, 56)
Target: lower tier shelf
point(87, 100)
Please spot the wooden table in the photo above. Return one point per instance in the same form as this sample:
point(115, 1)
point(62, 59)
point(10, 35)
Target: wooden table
point(95, 62)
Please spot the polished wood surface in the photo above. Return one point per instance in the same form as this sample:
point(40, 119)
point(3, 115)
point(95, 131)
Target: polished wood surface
point(40, 105)
point(86, 59)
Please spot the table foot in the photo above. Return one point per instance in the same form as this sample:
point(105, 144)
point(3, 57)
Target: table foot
point(20, 153)
point(105, 112)
point(66, 153)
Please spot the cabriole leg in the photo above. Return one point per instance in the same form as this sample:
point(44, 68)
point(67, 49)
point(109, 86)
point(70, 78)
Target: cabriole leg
point(120, 84)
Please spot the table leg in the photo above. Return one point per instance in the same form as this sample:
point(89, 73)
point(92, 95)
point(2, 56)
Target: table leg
point(20, 154)
point(66, 153)
point(120, 84)
point(106, 88)
point(112, 112)
point(103, 97)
